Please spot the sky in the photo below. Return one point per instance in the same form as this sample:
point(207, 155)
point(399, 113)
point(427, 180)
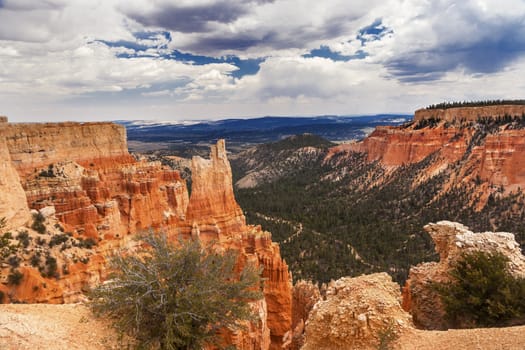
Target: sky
point(91, 60)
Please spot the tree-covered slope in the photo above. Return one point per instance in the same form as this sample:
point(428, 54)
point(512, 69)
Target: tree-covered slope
point(339, 215)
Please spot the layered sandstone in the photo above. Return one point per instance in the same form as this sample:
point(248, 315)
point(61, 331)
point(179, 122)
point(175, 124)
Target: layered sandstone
point(356, 311)
point(501, 159)
point(82, 179)
point(13, 206)
point(489, 153)
point(212, 209)
point(214, 215)
point(85, 172)
point(34, 146)
point(470, 113)
point(451, 241)
point(396, 146)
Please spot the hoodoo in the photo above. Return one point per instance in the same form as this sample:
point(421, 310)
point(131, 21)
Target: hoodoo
point(91, 196)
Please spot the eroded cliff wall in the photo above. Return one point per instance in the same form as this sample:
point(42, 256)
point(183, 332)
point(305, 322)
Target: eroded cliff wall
point(33, 146)
point(214, 215)
point(13, 206)
point(492, 151)
point(470, 113)
point(88, 188)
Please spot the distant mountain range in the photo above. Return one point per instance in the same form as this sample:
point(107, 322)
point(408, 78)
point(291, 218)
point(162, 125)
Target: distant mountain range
point(240, 133)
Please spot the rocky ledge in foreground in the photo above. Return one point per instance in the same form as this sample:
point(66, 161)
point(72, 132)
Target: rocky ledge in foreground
point(451, 240)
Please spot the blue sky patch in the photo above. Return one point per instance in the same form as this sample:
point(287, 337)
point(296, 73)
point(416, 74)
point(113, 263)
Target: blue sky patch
point(126, 44)
point(373, 32)
point(248, 66)
point(326, 52)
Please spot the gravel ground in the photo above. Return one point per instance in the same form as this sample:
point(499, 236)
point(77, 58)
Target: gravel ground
point(72, 326)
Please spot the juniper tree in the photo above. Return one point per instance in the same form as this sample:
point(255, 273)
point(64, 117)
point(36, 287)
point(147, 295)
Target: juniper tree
point(482, 292)
point(179, 296)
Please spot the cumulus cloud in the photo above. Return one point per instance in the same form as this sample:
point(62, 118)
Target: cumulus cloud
point(444, 36)
point(236, 56)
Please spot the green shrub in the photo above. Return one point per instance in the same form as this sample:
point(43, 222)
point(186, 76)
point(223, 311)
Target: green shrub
point(178, 297)
point(14, 261)
point(35, 260)
point(387, 336)
point(24, 238)
point(58, 239)
point(85, 243)
point(15, 277)
point(482, 292)
point(51, 267)
point(38, 223)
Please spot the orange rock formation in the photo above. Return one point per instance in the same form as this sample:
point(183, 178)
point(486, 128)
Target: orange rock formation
point(395, 146)
point(470, 113)
point(213, 214)
point(496, 156)
point(13, 206)
point(354, 314)
point(34, 146)
point(81, 176)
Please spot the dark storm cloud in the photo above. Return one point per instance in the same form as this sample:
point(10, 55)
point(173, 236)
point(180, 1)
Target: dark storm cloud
point(296, 38)
point(489, 48)
point(199, 19)
point(191, 19)
point(239, 42)
point(484, 56)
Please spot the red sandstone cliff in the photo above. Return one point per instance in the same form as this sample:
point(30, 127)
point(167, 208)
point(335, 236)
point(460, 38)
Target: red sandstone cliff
point(83, 180)
point(213, 214)
point(34, 146)
point(490, 153)
point(470, 113)
point(395, 146)
point(212, 209)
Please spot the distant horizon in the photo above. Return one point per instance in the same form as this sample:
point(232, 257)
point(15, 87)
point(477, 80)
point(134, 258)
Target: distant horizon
point(76, 60)
point(202, 120)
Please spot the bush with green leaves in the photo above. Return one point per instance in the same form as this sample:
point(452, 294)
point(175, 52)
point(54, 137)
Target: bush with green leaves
point(177, 295)
point(15, 277)
point(482, 292)
point(24, 238)
point(38, 223)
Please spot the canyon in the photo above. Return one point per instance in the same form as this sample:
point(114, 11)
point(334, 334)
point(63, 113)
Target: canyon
point(494, 153)
point(79, 181)
point(388, 185)
point(73, 195)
